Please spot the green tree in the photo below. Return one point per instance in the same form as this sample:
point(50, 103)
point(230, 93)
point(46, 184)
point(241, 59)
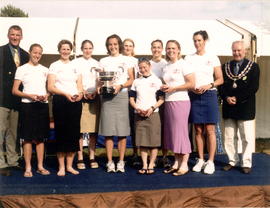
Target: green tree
point(11, 11)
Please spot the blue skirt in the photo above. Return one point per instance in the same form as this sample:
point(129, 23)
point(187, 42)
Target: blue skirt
point(204, 108)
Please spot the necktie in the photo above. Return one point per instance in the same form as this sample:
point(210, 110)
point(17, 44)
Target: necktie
point(16, 57)
point(236, 69)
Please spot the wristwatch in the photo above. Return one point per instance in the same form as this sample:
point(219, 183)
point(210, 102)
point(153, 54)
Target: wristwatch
point(212, 85)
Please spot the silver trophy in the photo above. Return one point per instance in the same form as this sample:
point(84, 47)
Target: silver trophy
point(107, 79)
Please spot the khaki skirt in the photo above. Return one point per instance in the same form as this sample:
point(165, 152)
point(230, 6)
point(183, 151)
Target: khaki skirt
point(148, 131)
point(90, 116)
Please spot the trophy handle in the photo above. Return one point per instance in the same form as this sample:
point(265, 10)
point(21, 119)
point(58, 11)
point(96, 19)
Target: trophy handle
point(96, 69)
point(121, 67)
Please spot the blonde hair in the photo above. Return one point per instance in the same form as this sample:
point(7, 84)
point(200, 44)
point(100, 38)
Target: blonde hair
point(130, 40)
point(178, 46)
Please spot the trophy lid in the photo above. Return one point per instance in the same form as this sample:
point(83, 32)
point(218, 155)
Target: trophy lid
point(107, 73)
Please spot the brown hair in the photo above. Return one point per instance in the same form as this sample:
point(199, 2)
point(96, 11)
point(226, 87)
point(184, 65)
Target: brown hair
point(120, 43)
point(157, 40)
point(62, 42)
point(35, 45)
point(15, 27)
point(203, 33)
point(86, 41)
point(144, 60)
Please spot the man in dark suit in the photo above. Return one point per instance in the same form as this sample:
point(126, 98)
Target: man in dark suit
point(241, 82)
point(11, 56)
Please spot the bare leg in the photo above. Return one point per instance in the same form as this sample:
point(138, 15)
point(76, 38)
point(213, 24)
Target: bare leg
point(70, 158)
point(109, 147)
point(153, 157)
point(183, 161)
point(176, 161)
point(199, 139)
point(211, 138)
point(27, 152)
point(92, 146)
point(144, 154)
point(61, 161)
point(122, 144)
point(40, 155)
point(80, 152)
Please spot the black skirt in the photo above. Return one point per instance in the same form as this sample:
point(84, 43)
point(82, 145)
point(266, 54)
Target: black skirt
point(67, 116)
point(34, 121)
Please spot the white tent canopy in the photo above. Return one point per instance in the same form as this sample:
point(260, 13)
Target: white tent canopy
point(49, 31)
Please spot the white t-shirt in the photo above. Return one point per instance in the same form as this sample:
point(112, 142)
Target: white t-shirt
point(146, 89)
point(119, 64)
point(33, 79)
point(134, 63)
point(157, 67)
point(66, 76)
point(174, 75)
point(203, 67)
point(86, 67)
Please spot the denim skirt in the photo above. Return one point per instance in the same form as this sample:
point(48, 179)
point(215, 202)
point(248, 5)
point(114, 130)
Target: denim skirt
point(204, 108)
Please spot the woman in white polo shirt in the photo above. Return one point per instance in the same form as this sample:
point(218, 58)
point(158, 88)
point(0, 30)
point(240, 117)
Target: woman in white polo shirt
point(158, 63)
point(204, 104)
point(88, 66)
point(128, 50)
point(114, 113)
point(143, 94)
point(179, 78)
point(65, 83)
point(34, 111)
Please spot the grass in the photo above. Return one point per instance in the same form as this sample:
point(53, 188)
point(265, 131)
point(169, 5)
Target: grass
point(262, 146)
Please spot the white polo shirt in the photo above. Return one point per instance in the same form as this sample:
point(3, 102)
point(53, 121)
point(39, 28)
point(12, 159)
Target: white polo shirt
point(134, 63)
point(157, 67)
point(174, 75)
point(86, 67)
point(66, 76)
point(119, 64)
point(33, 79)
point(146, 89)
point(203, 67)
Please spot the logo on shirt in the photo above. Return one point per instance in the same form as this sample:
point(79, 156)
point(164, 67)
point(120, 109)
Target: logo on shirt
point(176, 71)
point(153, 85)
point(209, 63)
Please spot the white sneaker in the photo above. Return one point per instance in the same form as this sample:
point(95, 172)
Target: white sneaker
point(199, 165)
point(110, 167)
point(209, 167)
point(120, 166)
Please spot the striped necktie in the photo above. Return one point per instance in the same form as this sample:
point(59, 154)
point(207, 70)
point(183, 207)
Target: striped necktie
point(16, 57)
point(236, 69)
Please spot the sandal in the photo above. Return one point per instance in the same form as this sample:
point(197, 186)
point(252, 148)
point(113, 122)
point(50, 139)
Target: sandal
point(170, 170)
point(80, 164)
point(142, 171)
point(43, 172)
point(93, 163)
point(180, 172)
point(28, 174)
point(150, 171)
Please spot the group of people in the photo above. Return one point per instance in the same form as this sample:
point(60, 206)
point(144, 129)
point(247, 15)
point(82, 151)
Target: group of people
point(153, 101)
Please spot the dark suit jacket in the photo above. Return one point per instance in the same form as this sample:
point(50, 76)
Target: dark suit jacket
point(7, 73)
point(247, 87)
